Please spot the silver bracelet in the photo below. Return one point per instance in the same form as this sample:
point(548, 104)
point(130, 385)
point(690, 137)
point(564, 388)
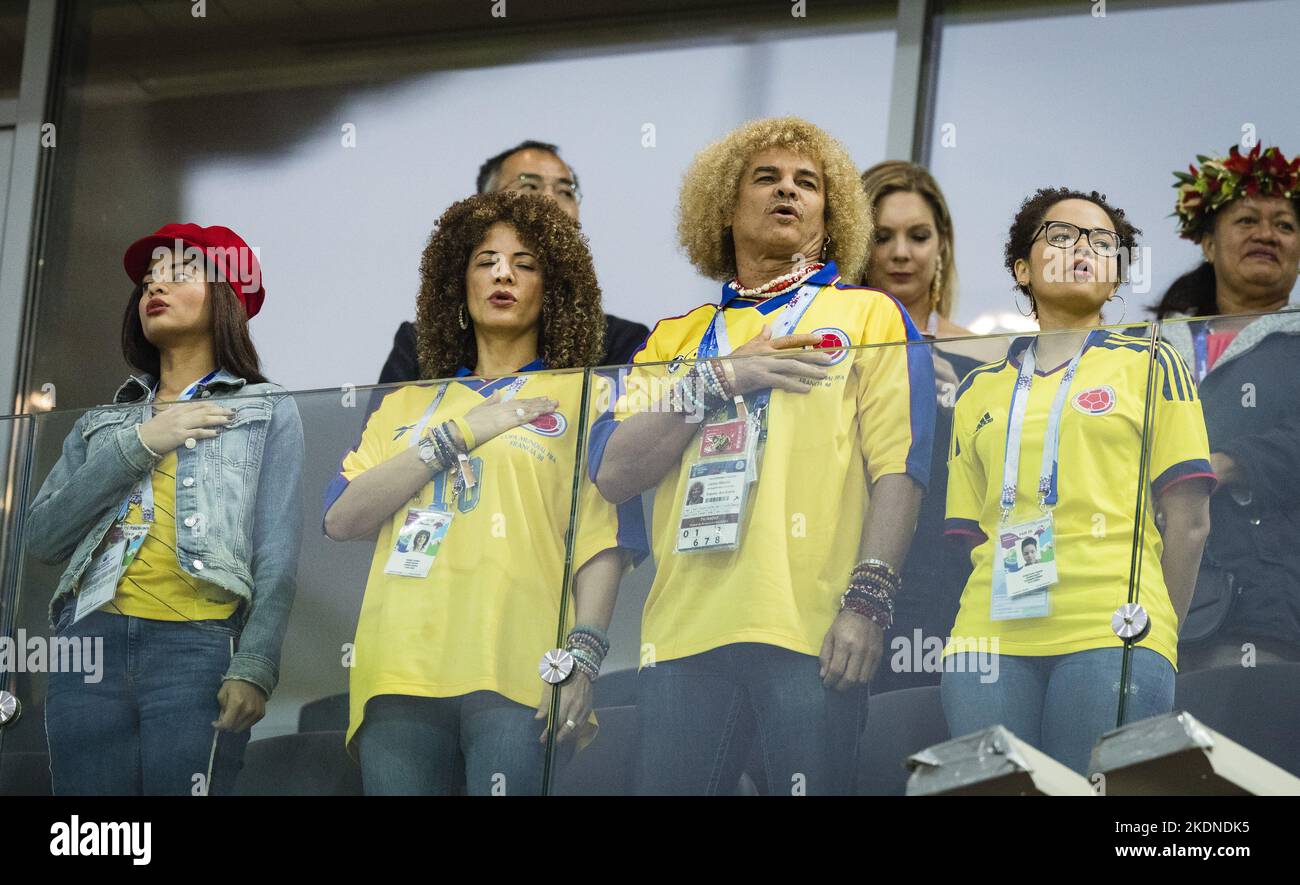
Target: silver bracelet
point(145, 444)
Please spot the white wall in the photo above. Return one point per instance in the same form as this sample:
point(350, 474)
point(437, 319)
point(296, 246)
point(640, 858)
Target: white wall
point(1113, 104)
point(341, 229)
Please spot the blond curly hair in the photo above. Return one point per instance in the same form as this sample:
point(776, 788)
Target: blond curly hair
point(710, 186)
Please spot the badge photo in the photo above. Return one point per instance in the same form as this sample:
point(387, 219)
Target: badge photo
point(418, 542)
point(1029, 556)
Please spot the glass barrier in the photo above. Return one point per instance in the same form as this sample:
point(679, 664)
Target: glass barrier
point(634, 521)
point(732, 667)
point(15, 444)
point(423, 608)
point(1235, 415)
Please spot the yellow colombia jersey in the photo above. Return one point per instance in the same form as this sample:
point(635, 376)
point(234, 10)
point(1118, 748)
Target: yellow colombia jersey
point(1097, 475)
point(154, 585)
point(873, 415)
point(490, 606)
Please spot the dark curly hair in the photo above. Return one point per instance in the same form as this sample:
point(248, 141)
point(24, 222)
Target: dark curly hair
point(1032, 213)
point(573, 323)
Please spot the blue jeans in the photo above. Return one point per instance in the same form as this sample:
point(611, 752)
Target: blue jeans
point(146, 727)
point(417, 746)
point(1060, 704)
point(700, 715)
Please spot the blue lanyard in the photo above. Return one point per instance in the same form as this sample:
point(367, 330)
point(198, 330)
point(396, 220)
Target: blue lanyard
point(142, 494)
point(717, 343)
point(1048, 471)
point(507, 394)
point(1201, 352)
point(414, 438)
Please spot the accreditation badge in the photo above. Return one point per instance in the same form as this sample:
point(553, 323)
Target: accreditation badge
point(1028, 553)
point(1024, 567)
point(716, 494)
point(117, 552)
point(418, 541)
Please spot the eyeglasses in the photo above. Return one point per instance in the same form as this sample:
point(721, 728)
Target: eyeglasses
point(1063, 235)
point(562, 188)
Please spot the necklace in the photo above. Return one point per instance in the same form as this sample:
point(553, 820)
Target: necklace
point(778, 285)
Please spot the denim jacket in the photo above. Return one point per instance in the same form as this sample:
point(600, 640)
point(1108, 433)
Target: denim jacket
point(238, 511)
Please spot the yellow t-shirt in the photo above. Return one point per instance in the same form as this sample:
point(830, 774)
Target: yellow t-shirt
point(1098, 464)
point(154, 585)
point(490, 606)
point(872, 416)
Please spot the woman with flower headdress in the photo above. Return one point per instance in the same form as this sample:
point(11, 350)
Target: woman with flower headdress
point(1243, 346)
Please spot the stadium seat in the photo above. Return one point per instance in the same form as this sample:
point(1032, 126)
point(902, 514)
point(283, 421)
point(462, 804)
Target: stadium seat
point(326, 714)
point(307, 764)
point(899, 723)
point(24, 774)
point(1255, 706)
point(604, 768)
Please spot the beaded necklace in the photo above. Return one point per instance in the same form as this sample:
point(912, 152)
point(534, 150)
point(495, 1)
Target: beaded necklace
point(774, 287)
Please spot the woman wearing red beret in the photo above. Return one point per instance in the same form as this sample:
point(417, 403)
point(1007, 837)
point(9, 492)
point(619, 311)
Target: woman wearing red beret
point(176, 510)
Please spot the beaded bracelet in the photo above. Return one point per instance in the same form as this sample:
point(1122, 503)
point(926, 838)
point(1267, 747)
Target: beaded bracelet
point(577, 640)
point(878, 566)
point(880, 614)
point(696, 386)
point(595, 633)
point(445, 448)
point(588, 645)
point(877, 573)
point(873, 585)
point(584, 662)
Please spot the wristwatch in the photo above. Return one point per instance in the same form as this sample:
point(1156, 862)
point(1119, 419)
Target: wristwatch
point(428, 452)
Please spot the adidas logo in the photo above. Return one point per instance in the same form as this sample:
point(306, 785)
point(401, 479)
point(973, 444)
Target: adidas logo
point(987, 419)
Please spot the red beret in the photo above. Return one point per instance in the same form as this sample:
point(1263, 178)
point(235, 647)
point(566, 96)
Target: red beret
point(224, 252)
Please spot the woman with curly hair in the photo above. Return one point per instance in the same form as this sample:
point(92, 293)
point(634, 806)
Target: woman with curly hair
point(813, 463)
point(445, 681)
point(1045, 448)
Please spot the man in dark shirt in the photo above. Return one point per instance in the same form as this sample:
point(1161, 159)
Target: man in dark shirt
point(532, 166)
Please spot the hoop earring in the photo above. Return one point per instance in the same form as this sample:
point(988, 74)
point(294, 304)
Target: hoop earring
point(1123, 309)
point(1031, 304)
point(463, 323)
point(826, 247)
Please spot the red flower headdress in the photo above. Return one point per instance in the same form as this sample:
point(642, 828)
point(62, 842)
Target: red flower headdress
point(1220, 180)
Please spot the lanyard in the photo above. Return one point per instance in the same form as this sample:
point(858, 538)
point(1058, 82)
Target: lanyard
point(463, 477)
point(1201, 353)
point(142, 494)
point(506, 395)
point(716, 342)
point(1047, 474)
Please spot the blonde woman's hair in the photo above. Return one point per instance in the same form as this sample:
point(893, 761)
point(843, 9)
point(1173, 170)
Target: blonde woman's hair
point(711, 184)
point(898, 176)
